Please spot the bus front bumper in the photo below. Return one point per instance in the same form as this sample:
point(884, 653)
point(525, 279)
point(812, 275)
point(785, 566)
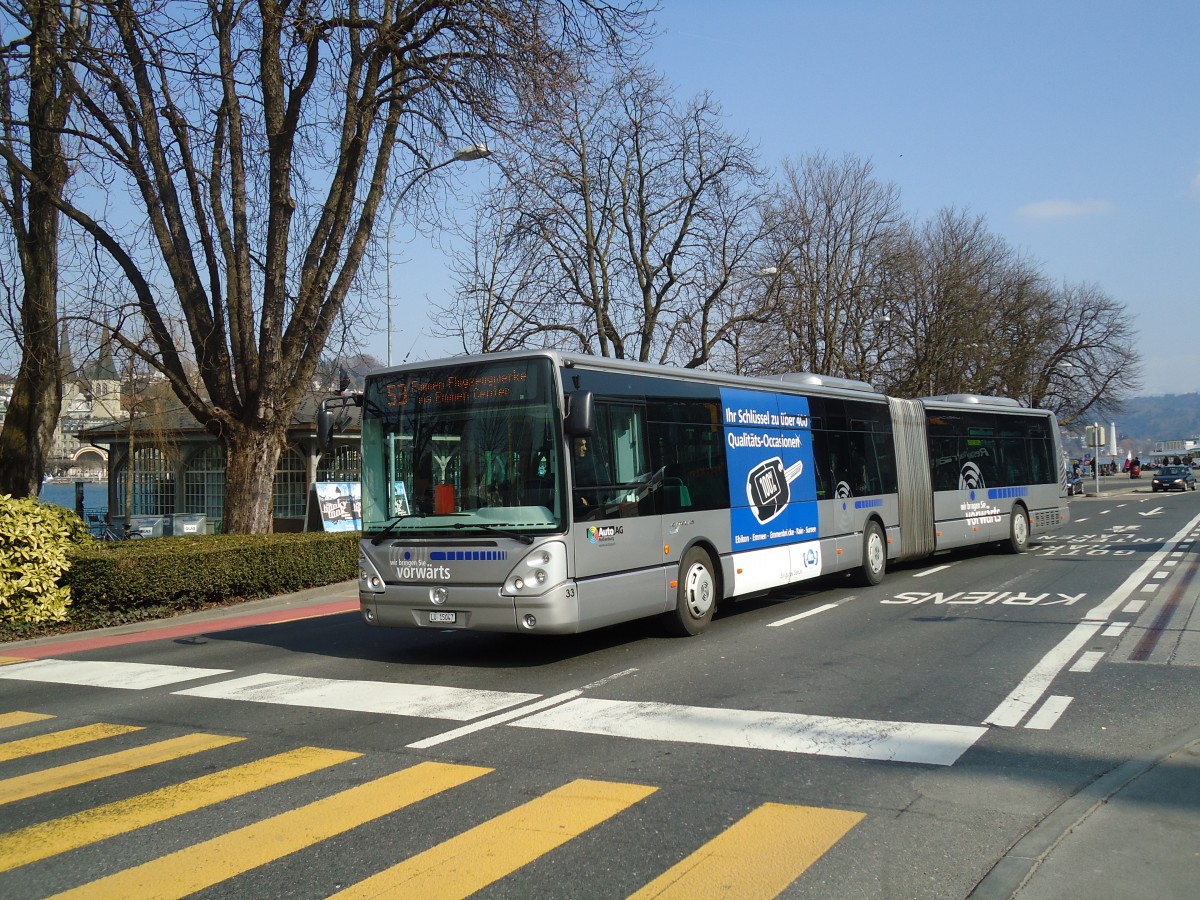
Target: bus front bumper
point(473, 608)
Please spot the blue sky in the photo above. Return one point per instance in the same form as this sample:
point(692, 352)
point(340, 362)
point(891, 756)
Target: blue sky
point(1072, 127)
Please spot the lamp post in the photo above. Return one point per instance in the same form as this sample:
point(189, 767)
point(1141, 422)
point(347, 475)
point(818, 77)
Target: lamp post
point(469, 153)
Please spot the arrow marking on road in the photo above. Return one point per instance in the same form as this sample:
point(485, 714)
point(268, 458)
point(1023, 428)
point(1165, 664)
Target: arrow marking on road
point(1153, 512)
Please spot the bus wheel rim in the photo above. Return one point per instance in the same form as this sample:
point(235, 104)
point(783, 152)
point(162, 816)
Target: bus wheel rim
point(698, 591)
point(1020, 529)
point(875, 552)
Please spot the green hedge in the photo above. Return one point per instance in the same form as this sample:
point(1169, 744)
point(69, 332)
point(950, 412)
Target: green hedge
point(128, 581)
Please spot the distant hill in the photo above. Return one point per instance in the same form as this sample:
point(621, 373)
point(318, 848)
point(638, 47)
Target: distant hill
point(1170, 417)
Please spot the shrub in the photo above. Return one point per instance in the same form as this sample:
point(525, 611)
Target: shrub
point(34, 542)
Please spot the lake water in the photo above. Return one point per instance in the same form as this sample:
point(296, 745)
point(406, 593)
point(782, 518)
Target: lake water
point(62, 493)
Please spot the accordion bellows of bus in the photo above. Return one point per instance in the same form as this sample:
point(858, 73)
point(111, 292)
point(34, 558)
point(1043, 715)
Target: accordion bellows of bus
point(549, 493)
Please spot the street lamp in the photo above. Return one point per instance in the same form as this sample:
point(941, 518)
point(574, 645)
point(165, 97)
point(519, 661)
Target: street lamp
point(469, 153)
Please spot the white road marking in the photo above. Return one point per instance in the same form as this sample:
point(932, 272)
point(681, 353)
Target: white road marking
point(1082, 520)
point(803, 615)
point(1162, 575)
point(1116, 629)
point(1133, 607)
point(1045, 717)
point(419, 700)
point(785, 732)
point(1121, 594)
point(493, 721)
point(1105, 512)
point(1153, 512)
point(123, 675)
point(940, 568)
point(1022, 698)
point(1170, 562)
point(1149, 588)
point(1087, 661)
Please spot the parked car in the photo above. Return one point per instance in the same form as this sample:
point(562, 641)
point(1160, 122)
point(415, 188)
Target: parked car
point(1173, 478)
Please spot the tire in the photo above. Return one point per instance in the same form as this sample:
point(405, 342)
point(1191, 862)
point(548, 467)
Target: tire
point(695, 595)
point(1018, 530)
point(874, 555)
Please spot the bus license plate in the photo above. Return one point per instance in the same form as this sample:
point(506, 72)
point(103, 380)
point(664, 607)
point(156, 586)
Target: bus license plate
point(437, 617)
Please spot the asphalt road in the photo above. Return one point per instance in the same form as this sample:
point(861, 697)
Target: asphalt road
point(888, 742)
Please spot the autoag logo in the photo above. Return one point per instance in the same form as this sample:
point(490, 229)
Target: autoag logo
point(603, 534)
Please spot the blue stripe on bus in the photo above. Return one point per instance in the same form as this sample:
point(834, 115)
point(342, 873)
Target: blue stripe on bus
point(1004, 493)
point(867, 504)
point(467, 555)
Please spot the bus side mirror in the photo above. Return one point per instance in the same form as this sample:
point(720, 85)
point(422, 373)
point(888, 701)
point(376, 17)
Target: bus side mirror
point(324, 429)
point(581, 413)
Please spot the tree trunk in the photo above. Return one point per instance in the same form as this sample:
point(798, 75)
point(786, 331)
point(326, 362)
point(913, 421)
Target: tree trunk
point(251, 458)
point(37, 394)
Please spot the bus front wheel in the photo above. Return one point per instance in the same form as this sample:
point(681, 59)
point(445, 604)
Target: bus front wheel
point(695, 594)
point(1018, 530)
point(874, 556)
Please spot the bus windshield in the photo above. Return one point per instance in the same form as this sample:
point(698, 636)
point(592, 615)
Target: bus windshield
point(459, 449)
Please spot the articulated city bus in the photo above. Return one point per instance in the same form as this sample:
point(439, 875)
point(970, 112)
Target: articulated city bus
point(548, 493)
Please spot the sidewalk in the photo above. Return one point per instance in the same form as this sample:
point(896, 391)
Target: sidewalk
point(331, 599)
point(1134, 832)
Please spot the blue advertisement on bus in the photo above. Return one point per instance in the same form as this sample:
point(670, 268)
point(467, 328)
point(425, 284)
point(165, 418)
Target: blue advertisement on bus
point(772, 483)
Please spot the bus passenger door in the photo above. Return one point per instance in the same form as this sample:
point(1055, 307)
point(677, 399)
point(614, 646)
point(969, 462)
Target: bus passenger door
point(617, 525)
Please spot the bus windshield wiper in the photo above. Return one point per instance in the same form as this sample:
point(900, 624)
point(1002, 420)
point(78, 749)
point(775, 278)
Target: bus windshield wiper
point(490, 529)
point(391, 524)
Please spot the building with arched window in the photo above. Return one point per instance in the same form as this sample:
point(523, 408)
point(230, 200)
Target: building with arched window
point(166, 464)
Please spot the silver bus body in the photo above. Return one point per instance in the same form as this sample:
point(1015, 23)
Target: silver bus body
point(787, 498)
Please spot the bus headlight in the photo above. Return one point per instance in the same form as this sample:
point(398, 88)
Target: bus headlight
point(539, 571)
point(369, 578)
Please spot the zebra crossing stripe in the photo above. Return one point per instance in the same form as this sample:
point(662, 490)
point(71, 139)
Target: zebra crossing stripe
point(211, 862)
point(47, 839)
point(486, 853)
point(34, 784)
point(57, 740)
point(88, 673)
point(13, 719)
point(758, 856)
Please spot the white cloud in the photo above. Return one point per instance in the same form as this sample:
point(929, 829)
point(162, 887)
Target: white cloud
point(1194, 188)
point(1064, 209)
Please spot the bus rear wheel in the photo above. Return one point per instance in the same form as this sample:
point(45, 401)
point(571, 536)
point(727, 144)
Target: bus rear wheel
point(874, 555)
point(1018, 530)
point(695, 595)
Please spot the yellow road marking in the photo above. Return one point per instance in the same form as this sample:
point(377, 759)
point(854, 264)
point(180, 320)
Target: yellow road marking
point(89, 826)
point(485, 854)
point(74, 774)
point(12, 719)
point(56, 740)
point(211, 862)
point(756, 857)
point(9, 660)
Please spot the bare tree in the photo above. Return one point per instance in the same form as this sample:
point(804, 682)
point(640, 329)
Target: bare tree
point(257, 140)
point(627, 228)
point(35, 101)
point(834, 227)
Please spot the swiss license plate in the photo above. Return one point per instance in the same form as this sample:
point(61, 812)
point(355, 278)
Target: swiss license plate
point(439, 617)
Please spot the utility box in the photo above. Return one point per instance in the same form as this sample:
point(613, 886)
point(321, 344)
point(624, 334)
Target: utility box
point(149, 526)
point(186, 525)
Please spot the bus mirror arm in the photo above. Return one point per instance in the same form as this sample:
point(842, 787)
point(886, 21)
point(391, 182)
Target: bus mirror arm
point(325, 418)
point(581, 413)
